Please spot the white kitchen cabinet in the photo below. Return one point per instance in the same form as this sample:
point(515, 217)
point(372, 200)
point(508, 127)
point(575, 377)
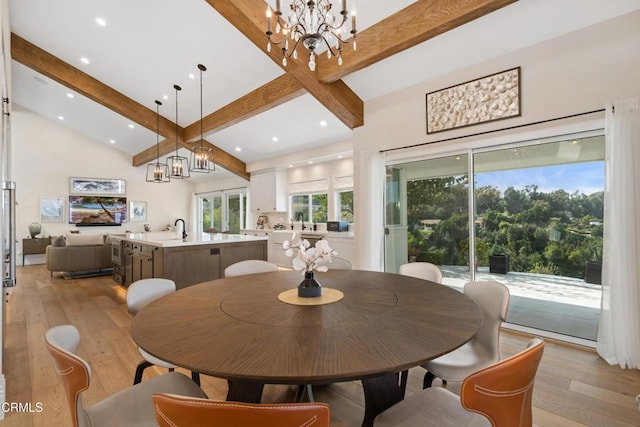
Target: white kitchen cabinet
point(268, 191)
point(342, 245)
point(276, 253)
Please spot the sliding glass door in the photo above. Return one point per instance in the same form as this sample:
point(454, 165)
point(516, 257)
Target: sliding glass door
point(537, 212)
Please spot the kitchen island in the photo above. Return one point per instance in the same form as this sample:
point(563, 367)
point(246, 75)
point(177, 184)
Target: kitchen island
point(195, 259)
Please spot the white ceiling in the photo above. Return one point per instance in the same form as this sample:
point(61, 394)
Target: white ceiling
point(148, 46)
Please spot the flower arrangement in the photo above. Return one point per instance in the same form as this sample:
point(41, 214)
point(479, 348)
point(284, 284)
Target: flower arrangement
point(308, 258)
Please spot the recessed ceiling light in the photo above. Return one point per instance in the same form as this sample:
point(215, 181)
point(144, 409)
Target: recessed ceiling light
point(70, 95)
point(274, 139)
point(238, 149)
point(457, 157)
point(323, 123)
point(340, 156)
point(100, 21)
point(60, 118)
point(84, 60)
point(131, 126)
point(290, 166)
point(310, 162)
point(574, 141)
point(192, 76)
point(113, 141)
point(165, 97)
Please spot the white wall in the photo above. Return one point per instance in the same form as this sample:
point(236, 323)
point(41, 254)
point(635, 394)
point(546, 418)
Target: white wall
point(571, 74)
point(46, 154)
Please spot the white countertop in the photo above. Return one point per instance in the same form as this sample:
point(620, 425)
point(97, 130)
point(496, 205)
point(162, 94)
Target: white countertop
point(170, 239)
point(288, 231)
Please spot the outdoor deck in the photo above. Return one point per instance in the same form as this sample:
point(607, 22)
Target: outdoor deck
point(556, 304)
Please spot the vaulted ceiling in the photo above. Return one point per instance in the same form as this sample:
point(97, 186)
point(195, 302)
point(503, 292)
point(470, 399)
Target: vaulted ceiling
point(249, 97)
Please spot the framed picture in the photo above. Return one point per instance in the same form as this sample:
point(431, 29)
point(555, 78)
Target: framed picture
point(138, 211)
point(489, 98)
point(51, 210)
point(97, 186)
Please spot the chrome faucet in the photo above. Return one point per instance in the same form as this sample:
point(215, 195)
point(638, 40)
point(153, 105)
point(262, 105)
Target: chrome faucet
point(300, 216)
point(184, 227)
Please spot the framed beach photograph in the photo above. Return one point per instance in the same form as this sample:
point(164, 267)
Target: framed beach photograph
point(138, 211)
point(51, 210)
point(97, 186)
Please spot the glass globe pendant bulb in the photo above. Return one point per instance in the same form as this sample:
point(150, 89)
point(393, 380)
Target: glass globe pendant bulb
point(312, 62)
point(269, 46)
point(295, 54)
point(284, 61)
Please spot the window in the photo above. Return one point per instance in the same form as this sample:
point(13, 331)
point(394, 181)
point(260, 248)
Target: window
point(309, 207)
point(345, 206)
point(222, 211)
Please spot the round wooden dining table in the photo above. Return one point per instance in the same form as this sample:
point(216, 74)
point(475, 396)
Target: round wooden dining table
point(238, 329)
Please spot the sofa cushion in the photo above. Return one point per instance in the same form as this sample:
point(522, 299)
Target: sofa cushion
point(84, 239)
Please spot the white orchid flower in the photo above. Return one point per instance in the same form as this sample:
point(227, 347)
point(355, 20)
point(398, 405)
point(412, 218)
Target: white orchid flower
point(307, 258)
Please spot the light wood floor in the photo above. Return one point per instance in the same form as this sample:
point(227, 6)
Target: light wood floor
point(574, 387)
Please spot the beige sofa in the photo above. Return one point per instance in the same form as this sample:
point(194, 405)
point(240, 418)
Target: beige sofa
point(78, 253)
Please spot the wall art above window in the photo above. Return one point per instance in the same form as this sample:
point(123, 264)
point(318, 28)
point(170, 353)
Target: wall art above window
point(489, 98)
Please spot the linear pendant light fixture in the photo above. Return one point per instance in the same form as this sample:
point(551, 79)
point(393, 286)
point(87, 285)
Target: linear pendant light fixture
point(157, 172)
point(178, 165)
point(201, 156)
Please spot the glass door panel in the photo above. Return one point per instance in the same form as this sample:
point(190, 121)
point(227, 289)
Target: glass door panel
point(427, 204)
point(539, 222)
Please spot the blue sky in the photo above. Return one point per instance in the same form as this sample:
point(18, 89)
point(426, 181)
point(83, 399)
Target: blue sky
point(586, 178)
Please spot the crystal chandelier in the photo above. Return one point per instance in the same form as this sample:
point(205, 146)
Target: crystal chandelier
point(157, 172)
point(201, 156)
point(311, 23)
point(178, 165)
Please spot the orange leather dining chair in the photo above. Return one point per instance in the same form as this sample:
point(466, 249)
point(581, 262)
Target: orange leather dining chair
point(497, 396)
point(132, 406)
point(181, 411)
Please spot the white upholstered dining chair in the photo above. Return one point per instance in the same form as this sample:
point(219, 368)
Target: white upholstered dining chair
point(422, 270)
point(132, 406)
point(139, 294)
point(499, 395)
point(484, 348)
point(337, 263)
point(250, 266)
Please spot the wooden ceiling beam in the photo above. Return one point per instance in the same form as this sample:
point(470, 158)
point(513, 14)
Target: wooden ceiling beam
point(267, 96)
point(416, 23)
point(220, 157)
point(48, 65)
point(248, 16)
point(224, 159)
